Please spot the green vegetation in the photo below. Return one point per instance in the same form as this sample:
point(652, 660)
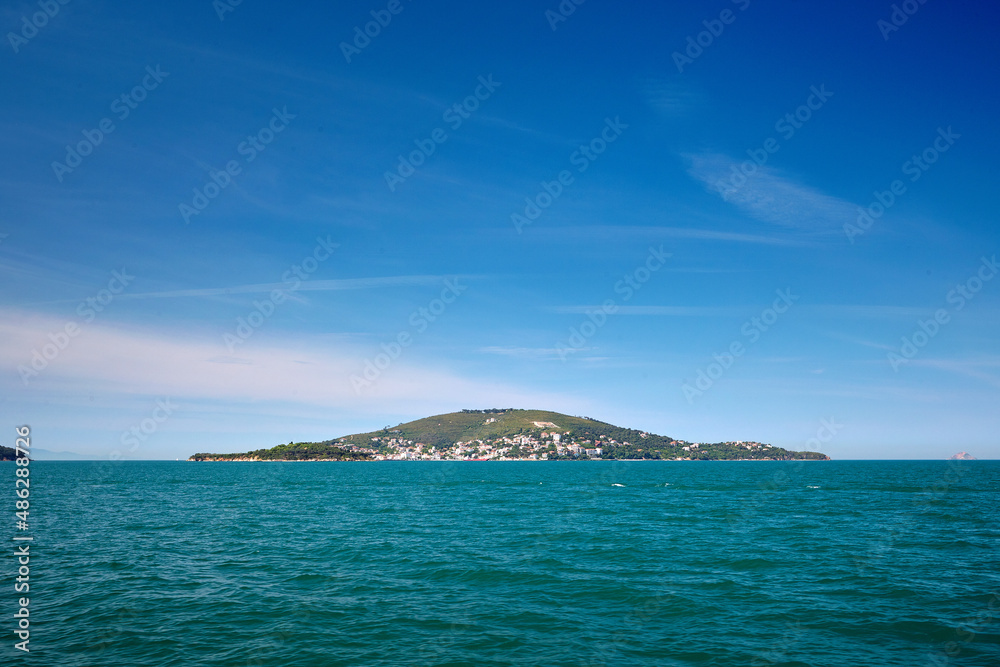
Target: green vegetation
point(507, 433)
point(301, 451)
point(444, 430)
point(7, 453)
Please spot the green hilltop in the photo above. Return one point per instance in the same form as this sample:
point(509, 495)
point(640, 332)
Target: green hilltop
point(510, 434)
point(442, 430)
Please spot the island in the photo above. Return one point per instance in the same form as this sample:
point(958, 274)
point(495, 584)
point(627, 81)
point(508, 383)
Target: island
point(8, 453)
point(508, 434)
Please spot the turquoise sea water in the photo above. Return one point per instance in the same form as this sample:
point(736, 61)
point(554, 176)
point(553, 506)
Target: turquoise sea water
point(516, 563)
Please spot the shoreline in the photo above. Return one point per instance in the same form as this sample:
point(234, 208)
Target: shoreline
point(501, 460)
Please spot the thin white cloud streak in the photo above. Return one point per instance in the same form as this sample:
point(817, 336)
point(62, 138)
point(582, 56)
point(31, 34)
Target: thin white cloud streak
point(511, 125)
point(732, 237)
point(118, 363)
point(336, 285)
point(853, 311)
point(866, 312)
point(771, 197)
point(972, 368)
point(845, 311)
point(30, 267)
point(304, 286)
point(859, 341)
point(527, 352)
point(654, 232)
point(671, 98)
point(671, 311)
point(869, 390)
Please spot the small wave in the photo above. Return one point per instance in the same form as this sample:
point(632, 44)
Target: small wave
point(813, 487)
point(616, 484)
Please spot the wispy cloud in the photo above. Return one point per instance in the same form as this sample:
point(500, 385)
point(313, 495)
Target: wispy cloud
point(658, 232)
point(309, 286)
point(732, 237)
point(840, 311)
point(769, 196)
point(670, 97)
point(974, 368)
point(670, 311)
point(516, 127)
point(854, 311)
point(115, 363)
point(303, 286)
point(859, 341)
point(525, 352)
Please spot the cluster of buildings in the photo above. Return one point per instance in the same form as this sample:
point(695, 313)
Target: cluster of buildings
point(750, 446)
point(546, 441)
point(528, 447)
point(538, 446)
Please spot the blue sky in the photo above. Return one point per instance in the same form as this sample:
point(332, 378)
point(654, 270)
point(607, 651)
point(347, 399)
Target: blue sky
point(620, 143)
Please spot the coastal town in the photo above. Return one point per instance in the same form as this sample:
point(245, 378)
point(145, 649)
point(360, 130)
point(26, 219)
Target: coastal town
point(547, 444)
point(518, 448)
point(507, 434)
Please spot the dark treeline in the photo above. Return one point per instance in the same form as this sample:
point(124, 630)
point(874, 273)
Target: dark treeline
point(302, 451)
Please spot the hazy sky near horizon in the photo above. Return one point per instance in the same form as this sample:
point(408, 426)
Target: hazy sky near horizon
point(216, 218)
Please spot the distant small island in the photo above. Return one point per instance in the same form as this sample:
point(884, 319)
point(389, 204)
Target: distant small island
point(963, 456)
point(508, 434)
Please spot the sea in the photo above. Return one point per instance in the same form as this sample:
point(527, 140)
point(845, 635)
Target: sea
point(480, 564)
